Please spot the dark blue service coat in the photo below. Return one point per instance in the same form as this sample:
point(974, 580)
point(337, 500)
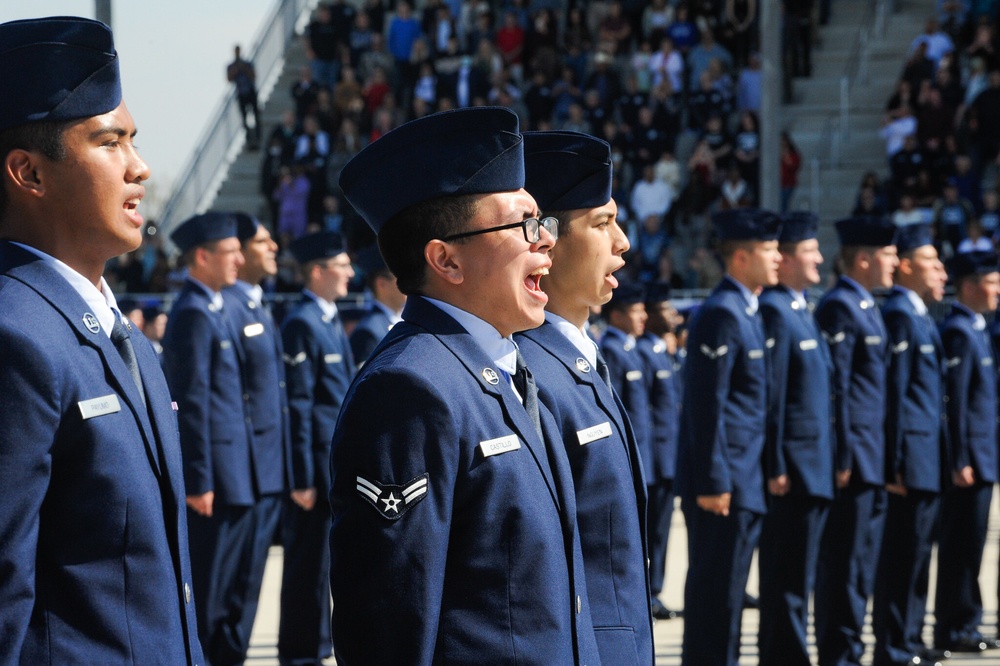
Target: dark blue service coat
point(628, 378)
point(454, 533)
point(93, 533)
point(610, 492)
point(368, 332)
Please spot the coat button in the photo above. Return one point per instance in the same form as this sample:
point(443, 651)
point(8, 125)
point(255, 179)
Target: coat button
point(187, 593)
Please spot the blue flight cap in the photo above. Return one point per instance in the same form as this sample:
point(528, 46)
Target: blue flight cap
point(567, 170)
point(627, 293)
point(316, 246)
point(973, 263)
point(913, 236)
point(57, 69)
point(466, 151)
point(746, 224)
point(370, 261)
point(657, 292)
point(798, 226)
point(870, 231)
point(202, 229)
point(246, 226)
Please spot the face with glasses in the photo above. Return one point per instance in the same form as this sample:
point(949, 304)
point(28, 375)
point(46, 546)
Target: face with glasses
point(497, 265)
point(217, 264)
point(329, 278)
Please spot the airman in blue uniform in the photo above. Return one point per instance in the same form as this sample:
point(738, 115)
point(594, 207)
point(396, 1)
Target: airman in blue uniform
point(258, 344)
point(319, 368)
point(859, 347)
point(569, 176)
point(454, 516)
point(387, 303)
point(971, 393)
point(915, 458)
point(663, 383)
point(204, 368)
point(93, 534)
point(720, 474)
point(798, 450)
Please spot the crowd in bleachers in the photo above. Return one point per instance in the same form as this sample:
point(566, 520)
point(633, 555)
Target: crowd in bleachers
point(942, 131)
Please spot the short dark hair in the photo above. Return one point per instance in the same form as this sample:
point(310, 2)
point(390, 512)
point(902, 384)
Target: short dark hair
point(45, 137)
point(403, 237)
point(727, 248)
point(187, 258)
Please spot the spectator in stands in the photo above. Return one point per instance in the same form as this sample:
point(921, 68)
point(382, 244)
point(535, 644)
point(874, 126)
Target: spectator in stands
point(292, 197)
point(905, 164)
point(734, 192)
point(937, 41)
point(646, 141)
point(376, 57)
point(791, 162)
point(907, 214)
point(539, 100)
point(304, 93)
point(650, 197)
point(656, 17)
point(576, 42)
point(952, 216)
point(903, 96)
point(868, 204)
point(707, 101)
point(976, 240)
point(683, 32)
point(895, 130)
point(321, 46)
point(668, 169)
point(719, 141)
point(746, 151)
point(667, 64)
point(241, 73)
point(650, 241)
point(702, 189)
point(359, 40)
point(749, 85)
point(348, 98)
point(404, 30)
point(605, 80)
point(984, 124)
point(510, 44)
point(614, 32)
point(701, 55)
point(989, 214)
point(738, 30)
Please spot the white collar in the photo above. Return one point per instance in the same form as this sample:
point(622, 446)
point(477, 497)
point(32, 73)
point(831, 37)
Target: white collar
point(918, 303)
point(214, 296)
point(502, 351)
point(329, 309)
point(629, 339)
point(394, 317)
point(102, 301)
point(577, 336)
point(254, 291)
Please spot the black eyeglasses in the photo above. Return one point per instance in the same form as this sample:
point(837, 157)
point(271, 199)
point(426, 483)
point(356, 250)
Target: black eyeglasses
point(532, 228)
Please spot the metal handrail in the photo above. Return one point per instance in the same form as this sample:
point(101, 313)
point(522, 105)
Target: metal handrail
point(223, 137)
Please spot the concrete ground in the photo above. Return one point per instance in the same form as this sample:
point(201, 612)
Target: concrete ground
point(264, 651)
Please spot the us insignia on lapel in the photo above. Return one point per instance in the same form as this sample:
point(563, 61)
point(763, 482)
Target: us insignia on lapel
point(90, 321)
point(582, 365)
point(390, 500)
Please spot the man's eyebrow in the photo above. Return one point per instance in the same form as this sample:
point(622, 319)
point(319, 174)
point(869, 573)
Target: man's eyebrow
point(112, 129)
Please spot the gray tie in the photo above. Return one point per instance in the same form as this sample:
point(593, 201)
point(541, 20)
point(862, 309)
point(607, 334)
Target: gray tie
point(123, 343)
point(529, 393)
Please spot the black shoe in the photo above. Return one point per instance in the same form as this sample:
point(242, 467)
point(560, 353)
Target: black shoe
point(968, 644)
point(661, 612)
point(930, 654)
point(750, 601)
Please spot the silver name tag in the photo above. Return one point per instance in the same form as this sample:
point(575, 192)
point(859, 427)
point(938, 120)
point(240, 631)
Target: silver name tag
point(494, 447)
point(755, 353)
point(873, 339)
point(594, 433)
point(806, 345)
point(926, 349)
point(107, 404)
point(252, 330)
point(633, 376)
point(333, 358)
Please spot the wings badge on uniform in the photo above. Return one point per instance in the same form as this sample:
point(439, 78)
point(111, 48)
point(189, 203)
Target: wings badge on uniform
point(392, 501)
point(714, 353)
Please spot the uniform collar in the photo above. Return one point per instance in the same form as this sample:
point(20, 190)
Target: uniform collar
point(502, 351)
point(748, 296)
point(253, 291)
point(865, 294)
point(102, 301)
point(214, 296)
point(797, 296)
point(393, 316)
point(329, 309)
point(916, 301)
point(577, 336)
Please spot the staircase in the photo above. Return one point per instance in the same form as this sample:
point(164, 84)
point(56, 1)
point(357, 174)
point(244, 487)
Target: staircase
point(858, 60)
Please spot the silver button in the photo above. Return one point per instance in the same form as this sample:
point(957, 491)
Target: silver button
point(281, 384)
point(246, 396)
point(187, 593)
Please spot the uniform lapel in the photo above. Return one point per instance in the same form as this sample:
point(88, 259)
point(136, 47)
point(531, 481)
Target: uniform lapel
point(51, 286)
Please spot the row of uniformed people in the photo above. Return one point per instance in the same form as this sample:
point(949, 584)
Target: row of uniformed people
point(824, 438)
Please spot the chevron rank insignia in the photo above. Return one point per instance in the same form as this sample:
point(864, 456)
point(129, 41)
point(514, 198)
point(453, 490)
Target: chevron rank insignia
point(834, 339)
point(294, 360)
point(714, 353)
point(953, 362)
point(769, 343)
point(901, 347)
point(393, 501)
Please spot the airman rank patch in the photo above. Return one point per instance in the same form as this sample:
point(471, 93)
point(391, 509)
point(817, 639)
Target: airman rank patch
point(714, 353)
point(953, 362)
point(901, 347)
point(392, 501)
point(834, 339)
point(769, 343)
point(294, 360)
